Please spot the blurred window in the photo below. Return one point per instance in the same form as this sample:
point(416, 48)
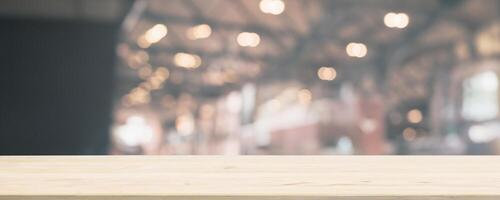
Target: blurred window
point(480, 97)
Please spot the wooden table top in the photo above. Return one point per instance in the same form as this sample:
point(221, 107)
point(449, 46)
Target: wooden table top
point(250, 177)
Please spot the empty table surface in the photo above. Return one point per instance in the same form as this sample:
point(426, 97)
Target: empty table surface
point(250, 177)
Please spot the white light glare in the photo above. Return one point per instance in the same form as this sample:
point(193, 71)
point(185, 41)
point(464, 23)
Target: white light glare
point(396, 20)
point(134, 132)
point(358, 50)
point(187, 60)
point(273, 7)
point(248, 39)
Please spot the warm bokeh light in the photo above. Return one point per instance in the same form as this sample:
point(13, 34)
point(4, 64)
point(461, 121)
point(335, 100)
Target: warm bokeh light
point(274, 7)
point(184, 124)
point(187, 60)
point(396, 20)
point(248, 39)
point(358, 50)
point(138, 59)
point(213, 78)
point(143, 56)
point(295, 77)
point(304, 96)
point(138, 95)
point(155, 82)
point(199, 32)
point(142, 42)
point(162, 73)
point(327, 73)
point(146, 86)
point(414, 116)
point(409, 134)
point(144, 72)
point(156, 33)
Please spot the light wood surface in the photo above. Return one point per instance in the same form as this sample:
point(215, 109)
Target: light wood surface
point(250, 177)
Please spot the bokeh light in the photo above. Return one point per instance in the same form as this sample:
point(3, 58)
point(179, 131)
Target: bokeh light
point(187, 60)
point(327, 73)
point(201, 31)
point(274, 7)
point(396, 20)
point(248, 39)
point(358, 50)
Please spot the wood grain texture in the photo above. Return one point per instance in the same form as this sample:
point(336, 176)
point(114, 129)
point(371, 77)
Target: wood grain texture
point(250, 177)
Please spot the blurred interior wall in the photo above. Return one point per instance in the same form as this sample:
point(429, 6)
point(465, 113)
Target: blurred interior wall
point(55, 85)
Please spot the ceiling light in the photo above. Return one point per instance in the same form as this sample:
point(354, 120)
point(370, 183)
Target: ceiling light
point(187, 60)
point(273, 7)
point(396, 20)
point(327, 73)
point(156, 33)
point(358, 50)
point(199, 32)
point(248, 39)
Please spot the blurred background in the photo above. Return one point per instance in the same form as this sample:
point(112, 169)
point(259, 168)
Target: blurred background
point(257, 77)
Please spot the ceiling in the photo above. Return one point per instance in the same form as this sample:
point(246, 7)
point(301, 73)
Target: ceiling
point(91, 10)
